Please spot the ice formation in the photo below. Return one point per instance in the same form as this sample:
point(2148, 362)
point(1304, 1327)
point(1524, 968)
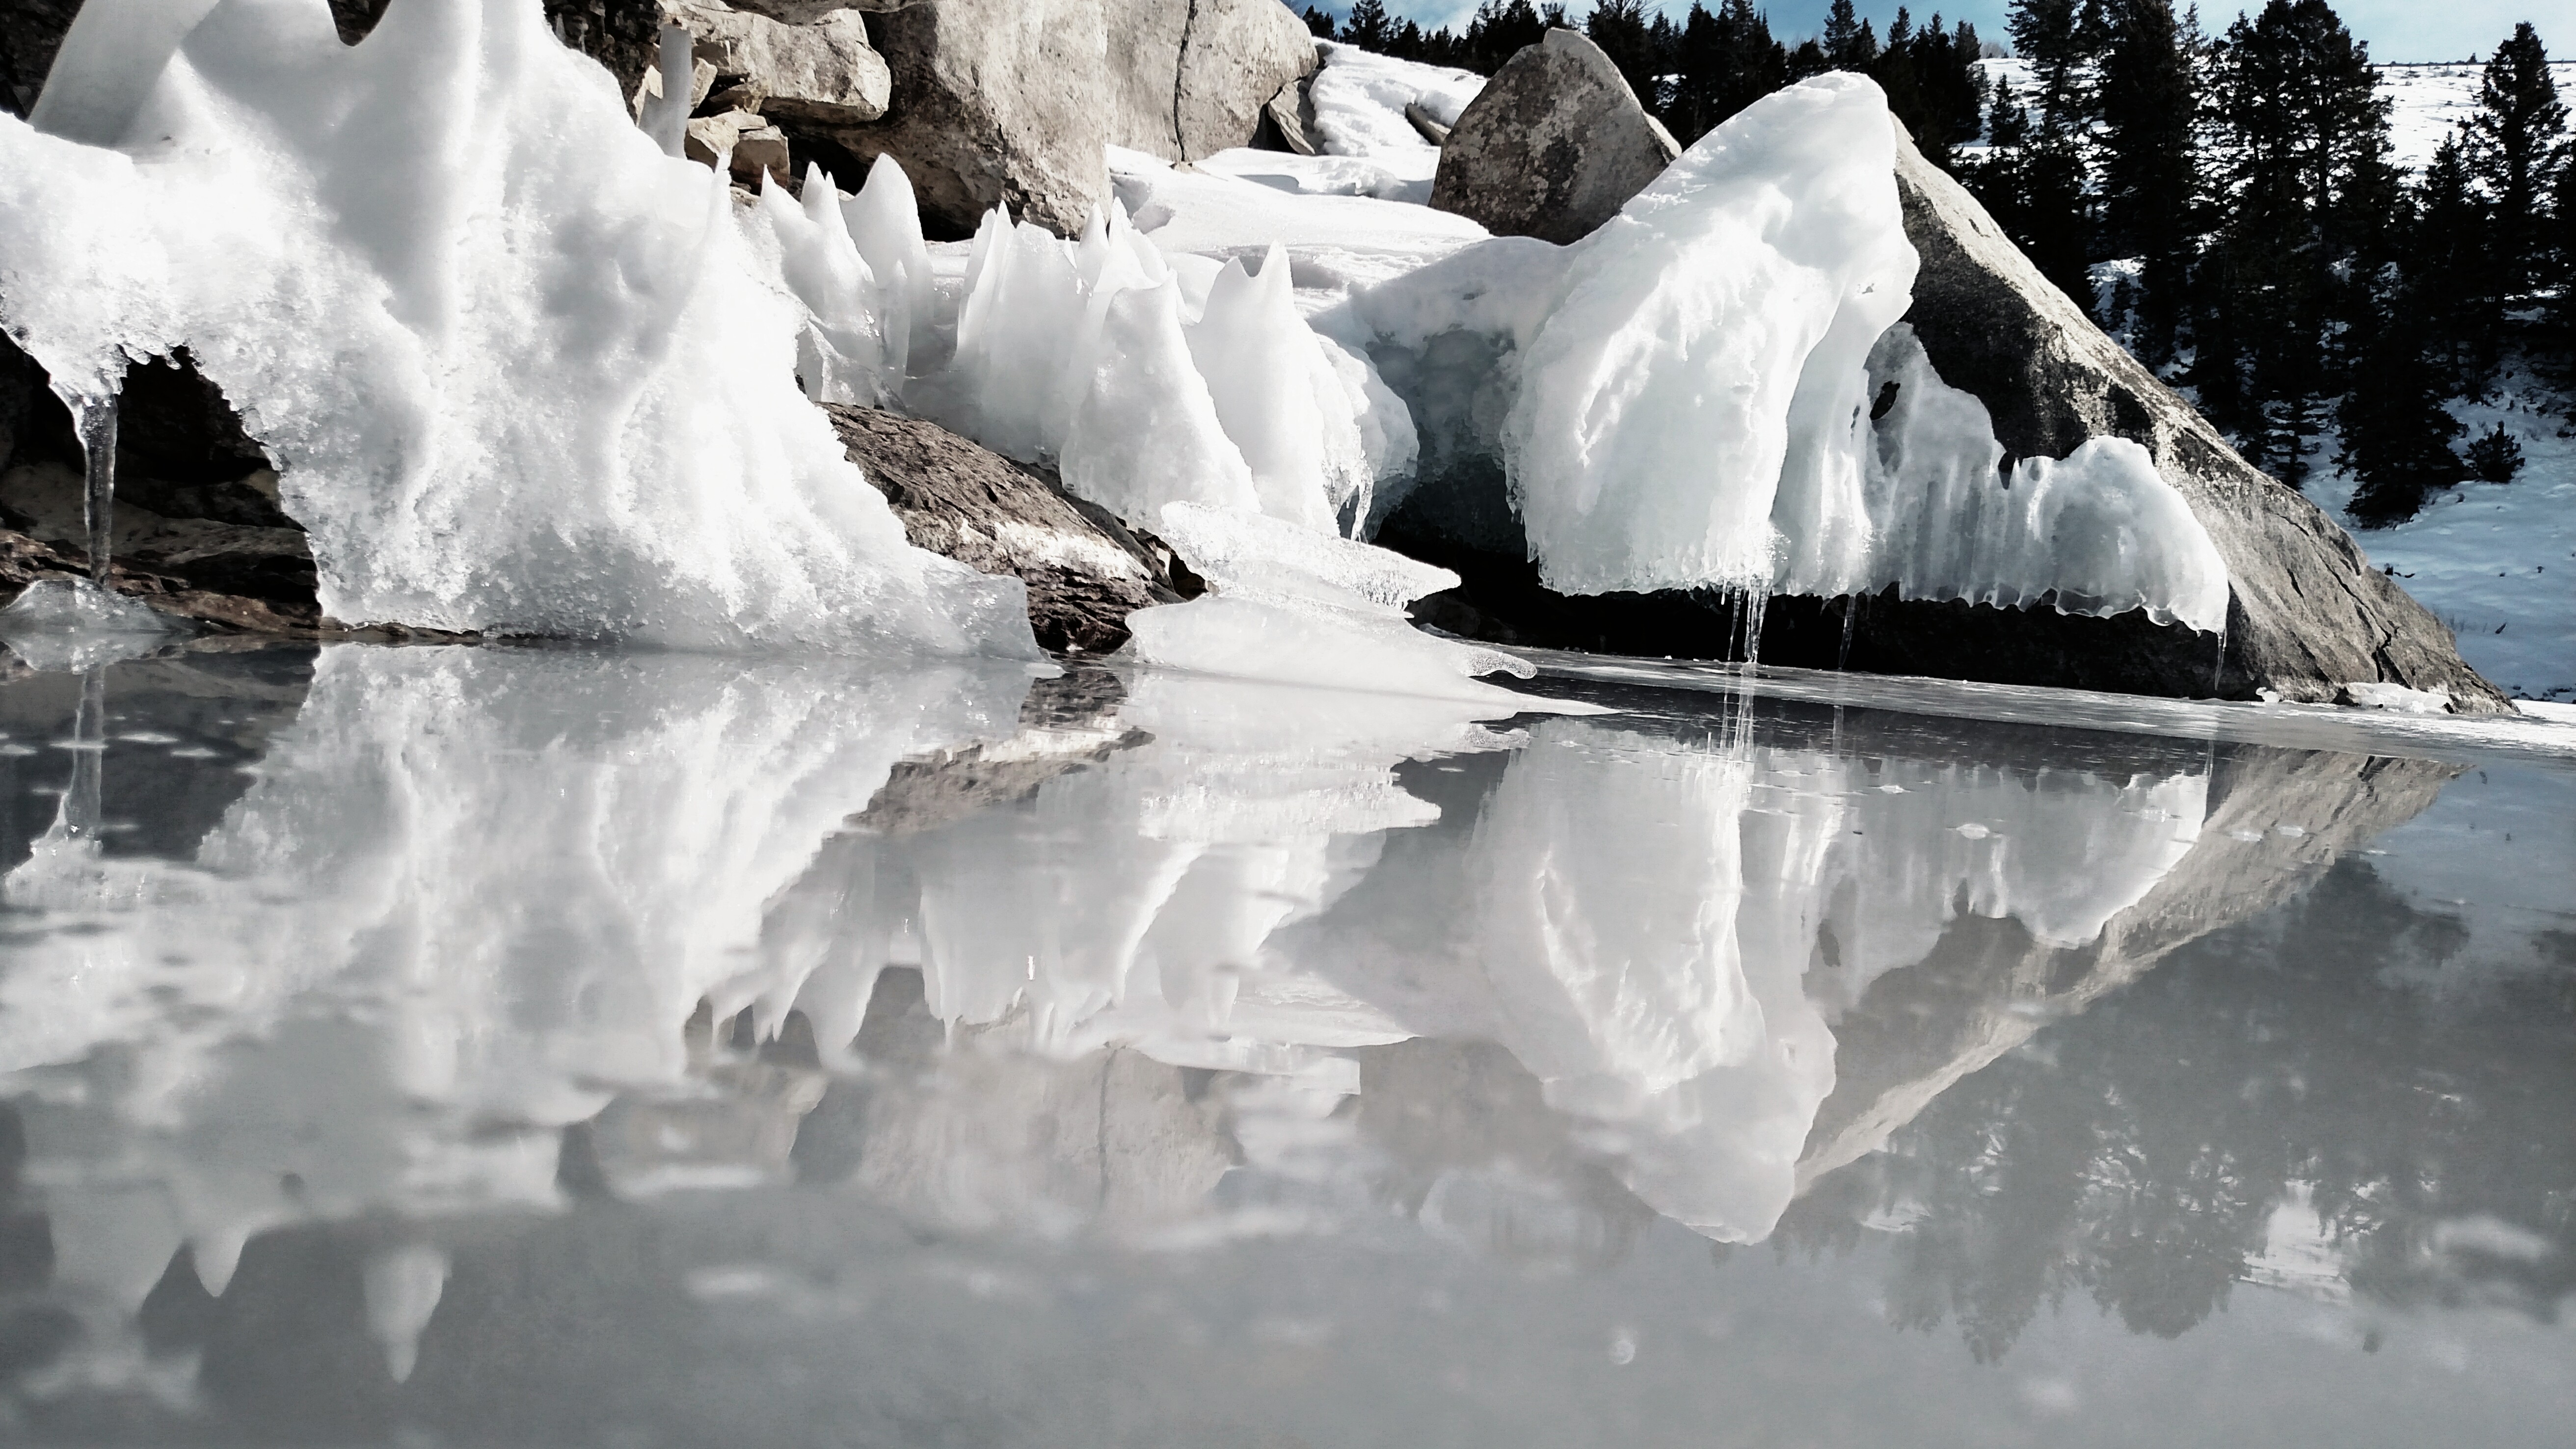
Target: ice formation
point(1697, 407)
point(522, 371)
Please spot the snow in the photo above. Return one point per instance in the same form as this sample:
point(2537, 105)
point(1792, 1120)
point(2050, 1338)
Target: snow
point(2496, 563)
point(1359, 100)
point(522, 372)
point(2428, 103)
point(1241, 203)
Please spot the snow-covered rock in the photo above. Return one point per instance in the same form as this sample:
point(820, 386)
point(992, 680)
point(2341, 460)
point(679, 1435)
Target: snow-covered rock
point(2307, 612)
point(468, 271)
point(1553, 145)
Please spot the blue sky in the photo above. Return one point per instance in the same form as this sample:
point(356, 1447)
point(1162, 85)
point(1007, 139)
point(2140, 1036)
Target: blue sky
point(2396, 29)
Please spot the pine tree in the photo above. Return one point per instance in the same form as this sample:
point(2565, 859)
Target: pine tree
point(1620, 28)
point(2397, 436)
point(2447, 261)
point(1850, 43)
point(1501, 30)
point(1368, 26)
point(2309, 195)
point(1726, 61)
point(2146, 102)
point(2515, 142)
point(1320, 21)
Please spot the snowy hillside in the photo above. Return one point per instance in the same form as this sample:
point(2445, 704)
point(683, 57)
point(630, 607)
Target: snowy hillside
point(2427, 101)
point(2432, 100)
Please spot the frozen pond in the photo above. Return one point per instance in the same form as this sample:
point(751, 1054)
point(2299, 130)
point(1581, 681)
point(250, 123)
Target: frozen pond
point(544, 1047)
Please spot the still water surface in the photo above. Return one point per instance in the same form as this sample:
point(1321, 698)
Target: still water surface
point(481, 1046)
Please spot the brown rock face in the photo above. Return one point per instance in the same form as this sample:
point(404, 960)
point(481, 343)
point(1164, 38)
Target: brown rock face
point(2310, 614)
point(1085, 571)
point(1553, 146)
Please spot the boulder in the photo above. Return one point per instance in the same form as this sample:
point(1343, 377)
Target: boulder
point(817, 73)
point(740, 143)
point(1552, 147)
point(1291, 116)
point(1085, 571)
point(2310, 616)
point(1189, 78)
point(992, 101)
point(806, 12)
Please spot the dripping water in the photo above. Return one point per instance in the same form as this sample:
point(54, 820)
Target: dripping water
point(1851, 616)
point(94, 417)
point(80, 805)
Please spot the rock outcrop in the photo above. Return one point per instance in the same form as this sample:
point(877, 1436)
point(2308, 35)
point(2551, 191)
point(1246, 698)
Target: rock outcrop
point(1011, 101)
point(1189, 78)
point(819, 73)
point(993, 101)
point(1085, 571)
point(30, 32)
point(2310, 615)
point(1554, 145)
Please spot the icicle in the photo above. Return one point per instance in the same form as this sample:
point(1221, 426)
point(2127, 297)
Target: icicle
point(665, 117)
point(94, 418)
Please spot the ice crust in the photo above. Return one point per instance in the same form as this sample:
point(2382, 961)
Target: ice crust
point(522, 371)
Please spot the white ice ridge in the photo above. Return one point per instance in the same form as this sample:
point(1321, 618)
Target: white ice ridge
point(1685, 396)
point(521, 370)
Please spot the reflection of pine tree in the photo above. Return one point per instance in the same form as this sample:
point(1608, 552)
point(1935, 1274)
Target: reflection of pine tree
point(2138, 1156)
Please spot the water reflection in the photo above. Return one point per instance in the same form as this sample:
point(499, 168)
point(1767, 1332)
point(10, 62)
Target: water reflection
point(513, 1043)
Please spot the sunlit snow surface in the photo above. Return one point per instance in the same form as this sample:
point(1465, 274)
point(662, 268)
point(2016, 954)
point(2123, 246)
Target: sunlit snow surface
point(2495, 562)
point(871, 1047)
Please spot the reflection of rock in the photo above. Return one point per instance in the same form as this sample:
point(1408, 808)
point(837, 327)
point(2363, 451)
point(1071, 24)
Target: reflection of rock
point(1474, 1149)
point(1988, 985)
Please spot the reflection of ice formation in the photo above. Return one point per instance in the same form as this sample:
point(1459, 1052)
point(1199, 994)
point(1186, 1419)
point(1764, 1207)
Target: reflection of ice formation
point(473, 895)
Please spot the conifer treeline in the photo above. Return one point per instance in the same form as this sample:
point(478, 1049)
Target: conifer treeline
point(2234, 196)
point(1699, 70)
